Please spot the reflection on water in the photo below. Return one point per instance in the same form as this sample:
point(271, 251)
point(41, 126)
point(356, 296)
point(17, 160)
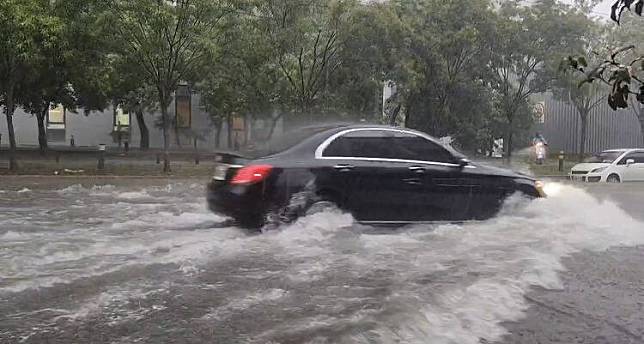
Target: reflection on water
point(121, 264)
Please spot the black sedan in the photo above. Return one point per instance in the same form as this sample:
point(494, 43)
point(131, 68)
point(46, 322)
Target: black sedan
point(379, 174)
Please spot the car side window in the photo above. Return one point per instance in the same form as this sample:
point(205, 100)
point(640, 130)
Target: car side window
point(361, 144)
point(638, 157)
point(387, 144)
point(414, 147)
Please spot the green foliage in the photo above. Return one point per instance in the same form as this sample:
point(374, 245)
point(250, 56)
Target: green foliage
point(620, 6)
point(620, 76)
point(464, 71)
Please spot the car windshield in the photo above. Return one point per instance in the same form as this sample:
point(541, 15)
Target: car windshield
point(604, 157)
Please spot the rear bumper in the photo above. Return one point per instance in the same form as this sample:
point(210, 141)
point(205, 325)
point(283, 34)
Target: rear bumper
point(243, 203)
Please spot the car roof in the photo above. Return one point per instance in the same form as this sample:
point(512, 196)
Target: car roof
point(311, 143)
point(622, 150)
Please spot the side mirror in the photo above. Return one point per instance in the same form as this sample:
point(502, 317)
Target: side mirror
point(629, 162)
point(462, 162)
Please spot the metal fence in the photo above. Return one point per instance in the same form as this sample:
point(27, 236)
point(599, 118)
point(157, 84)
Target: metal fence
point(606, 128)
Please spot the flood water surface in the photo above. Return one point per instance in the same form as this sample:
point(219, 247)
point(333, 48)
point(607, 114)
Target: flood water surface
point(129, 263)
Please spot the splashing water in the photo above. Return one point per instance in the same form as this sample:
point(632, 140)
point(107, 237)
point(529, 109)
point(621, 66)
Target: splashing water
point(150, 256)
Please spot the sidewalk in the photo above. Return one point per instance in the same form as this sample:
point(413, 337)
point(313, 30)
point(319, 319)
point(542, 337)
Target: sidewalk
point(84, 161)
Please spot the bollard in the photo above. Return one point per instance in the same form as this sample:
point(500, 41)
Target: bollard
point(196, 152)
point(101, 157)
point(561, 161)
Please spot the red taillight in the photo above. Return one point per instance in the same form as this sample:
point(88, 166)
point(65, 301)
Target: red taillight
point(251, 174)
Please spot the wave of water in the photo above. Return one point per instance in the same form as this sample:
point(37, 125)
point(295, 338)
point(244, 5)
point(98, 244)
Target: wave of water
point(322, 279)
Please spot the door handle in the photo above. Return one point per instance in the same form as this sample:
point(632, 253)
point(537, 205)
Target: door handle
point(412, 181)
point(343, 167)
point(417, 169)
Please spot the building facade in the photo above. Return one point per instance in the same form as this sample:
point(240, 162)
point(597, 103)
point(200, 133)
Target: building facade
point(189, 120)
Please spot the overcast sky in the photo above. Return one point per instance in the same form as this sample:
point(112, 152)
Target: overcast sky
point(603, 9)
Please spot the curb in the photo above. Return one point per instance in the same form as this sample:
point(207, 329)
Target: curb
point(98, 176)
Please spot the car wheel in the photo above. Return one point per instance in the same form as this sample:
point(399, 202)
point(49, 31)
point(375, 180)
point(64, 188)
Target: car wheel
point(319, 207)
point(613, 178)
point(252, 222)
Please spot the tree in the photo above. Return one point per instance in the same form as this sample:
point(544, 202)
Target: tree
point(372, 56)
point(243, 78)
point(572, 88)
point(169, 41)
point(527, 39)
point(584, 98)
point(25, 31)
point(126, 88)
point(443, 65)
point(620, 69)
point(47, 83)
point(305, 37)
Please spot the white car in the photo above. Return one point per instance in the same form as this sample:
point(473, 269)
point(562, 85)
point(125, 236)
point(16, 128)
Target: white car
point(611, 166)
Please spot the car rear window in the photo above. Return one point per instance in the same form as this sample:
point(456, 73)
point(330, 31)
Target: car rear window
point(284, 141)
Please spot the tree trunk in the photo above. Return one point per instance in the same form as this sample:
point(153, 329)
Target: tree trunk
point(9, 108)
point(273, 125)
point(42, 133)
point(177, 136)
point(229, 128)
point(394, 114)
point(640, 116)
point(584, 132)
point(145, 133)
point(407, 114)
point(507, 143)
point(166, 138)
point(218, 127)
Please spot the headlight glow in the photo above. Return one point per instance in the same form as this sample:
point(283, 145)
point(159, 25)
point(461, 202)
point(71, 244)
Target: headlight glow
point(552, 189)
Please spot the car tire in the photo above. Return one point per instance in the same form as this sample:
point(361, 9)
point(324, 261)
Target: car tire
point(252, 222)
point(613, 178)
point(320, 207)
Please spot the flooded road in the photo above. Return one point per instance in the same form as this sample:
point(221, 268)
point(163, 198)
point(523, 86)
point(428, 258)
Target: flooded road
point(113, 261)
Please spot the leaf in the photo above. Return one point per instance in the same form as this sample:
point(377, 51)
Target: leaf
point(613, 16)
point(611, 102)
point(582, 61)
point(638, 7)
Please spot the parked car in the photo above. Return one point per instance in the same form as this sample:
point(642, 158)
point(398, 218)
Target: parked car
point(612, 166)
point(380, 174)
